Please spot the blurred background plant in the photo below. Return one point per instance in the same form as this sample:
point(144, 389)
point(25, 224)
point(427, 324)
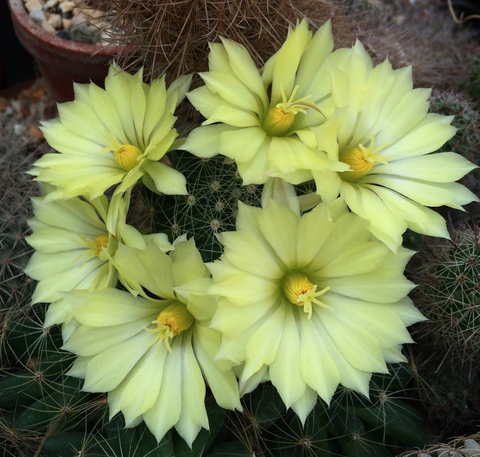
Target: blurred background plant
point(434, 396)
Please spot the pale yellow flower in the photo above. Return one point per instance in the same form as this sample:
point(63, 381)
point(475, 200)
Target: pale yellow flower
point(309, 302)
point(153, 356)
point(73, 249)
point(263, 119)
point(383, 131)
point(113, 137)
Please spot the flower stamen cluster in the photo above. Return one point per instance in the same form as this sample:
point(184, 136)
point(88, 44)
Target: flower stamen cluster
point(362, 160)
point(301, 292)
point(171, 321)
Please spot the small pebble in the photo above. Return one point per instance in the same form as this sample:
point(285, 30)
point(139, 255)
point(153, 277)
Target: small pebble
point(37, 16)
point(48, 27)
point(32, 5)
point(66, 7)
point(67, 24)
point(51, 4)
point(55, 20)
point(92, 14)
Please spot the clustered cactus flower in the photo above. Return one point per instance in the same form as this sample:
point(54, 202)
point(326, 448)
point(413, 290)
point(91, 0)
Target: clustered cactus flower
point(308, 301)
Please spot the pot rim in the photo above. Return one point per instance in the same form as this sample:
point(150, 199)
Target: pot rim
point(19, 13)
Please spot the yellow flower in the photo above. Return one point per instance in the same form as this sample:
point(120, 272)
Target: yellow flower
point(113, 136)
point(383, 131)
point(309, 302)
point(72, 251)
point(263, 119)
point(153, 356)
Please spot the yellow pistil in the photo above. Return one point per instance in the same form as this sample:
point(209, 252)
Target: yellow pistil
point(94, 247)
point(278, 122)
point(279, 119)
point(172, 321)
point(362, 159)
point(127, 155)
point(301, 292)
point(100, 242)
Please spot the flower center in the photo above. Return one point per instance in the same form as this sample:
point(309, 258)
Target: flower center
point(127, 155)
point(362, 159)
point(100, 242)
point(301, 292)
point(278, 122)
point(172, 321)
point(279, 119)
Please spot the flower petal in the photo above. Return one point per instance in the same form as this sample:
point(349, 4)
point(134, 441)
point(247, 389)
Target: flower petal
point(205, 141)
point(167, 180)
point(384, 224)
point(107, 307)
point(426, 193)
point(286, 371)
point(193, 414)
point(282, 241)
point(150, 268)
point(443, 167)
point(357, 345)
point(219, 375)
point(384, 285)
point(139, 391)
point(165, 413)
point(241, 145)
point(318, 368)
point(245, 69)
point(90, 341)
point(187, 263)
point(418, 217)
point(249, 254)
point(108, 369)
point(231, 89)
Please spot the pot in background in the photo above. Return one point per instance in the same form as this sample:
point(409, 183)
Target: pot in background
point(61, 61)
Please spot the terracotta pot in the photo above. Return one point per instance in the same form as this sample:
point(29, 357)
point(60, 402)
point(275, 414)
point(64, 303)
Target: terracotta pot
point(61, 61)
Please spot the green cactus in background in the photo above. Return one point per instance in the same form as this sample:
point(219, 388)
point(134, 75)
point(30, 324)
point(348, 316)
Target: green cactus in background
point(446, 358)
point(17, 153)
point(467, 139)
point(464, 446)
point(449, 294)
point(215, 188)
point(351, 426)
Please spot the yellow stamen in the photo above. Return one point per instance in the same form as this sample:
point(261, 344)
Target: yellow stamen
point(362, 160)
point(301, 292)
point(100, 242)
point(127, 155)
point(279, 119)
point(172, 321)
point(94, 247)
point(278, 122)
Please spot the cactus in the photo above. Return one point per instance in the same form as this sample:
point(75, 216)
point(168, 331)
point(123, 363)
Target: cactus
point(449, 292)
point(447, 356)
point(16, 156)
point(173, 37)
point(214, 188)
point(467, 139)
point(471, 83)
point(351, 426)
point(465, 446)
